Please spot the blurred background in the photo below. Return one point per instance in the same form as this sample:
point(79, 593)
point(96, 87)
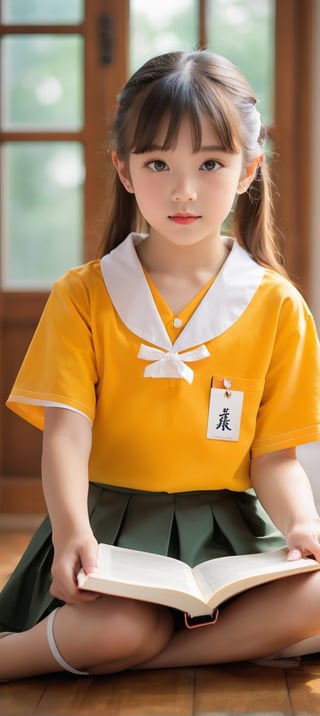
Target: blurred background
point(62, 66)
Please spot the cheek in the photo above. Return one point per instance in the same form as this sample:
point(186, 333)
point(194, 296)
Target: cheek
point(147, 195)
point(229, 189)
point(222, 192)
point(221, 199)
point(146, 202)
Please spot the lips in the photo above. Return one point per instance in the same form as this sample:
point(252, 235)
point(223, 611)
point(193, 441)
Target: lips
point(183, 219)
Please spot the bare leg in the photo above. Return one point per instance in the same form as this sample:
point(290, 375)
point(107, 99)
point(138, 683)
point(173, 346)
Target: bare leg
point(258, 623)
point(112, 635)
point(101, 637)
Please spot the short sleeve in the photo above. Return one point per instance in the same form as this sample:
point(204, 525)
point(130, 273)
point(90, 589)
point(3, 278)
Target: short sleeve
point(289, 413)
point(59, 368)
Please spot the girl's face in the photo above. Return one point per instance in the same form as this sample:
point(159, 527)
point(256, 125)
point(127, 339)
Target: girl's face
point(185, 195)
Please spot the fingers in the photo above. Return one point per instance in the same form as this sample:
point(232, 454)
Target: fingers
point(299, 552)
point(294, 554)
point(303, 540)
point(65, 569)
point(88, 558)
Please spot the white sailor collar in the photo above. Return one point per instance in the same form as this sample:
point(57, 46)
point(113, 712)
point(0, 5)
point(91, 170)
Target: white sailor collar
point(219, 309)
point(222, 305)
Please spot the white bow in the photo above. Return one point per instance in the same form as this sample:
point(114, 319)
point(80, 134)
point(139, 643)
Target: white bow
point(167, 364)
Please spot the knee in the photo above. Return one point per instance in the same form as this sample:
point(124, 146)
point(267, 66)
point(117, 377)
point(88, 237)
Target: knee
point(127, 633)
point(143, 630)
point(304, 593)
point(311, 589)
point(111, 634)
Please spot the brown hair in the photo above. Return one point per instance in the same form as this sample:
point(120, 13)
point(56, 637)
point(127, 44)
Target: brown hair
point(193, 84)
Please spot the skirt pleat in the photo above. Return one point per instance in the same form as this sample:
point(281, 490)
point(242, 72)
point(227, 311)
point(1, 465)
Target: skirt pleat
point(193, 527)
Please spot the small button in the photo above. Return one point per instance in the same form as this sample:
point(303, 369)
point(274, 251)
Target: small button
point(177, 322)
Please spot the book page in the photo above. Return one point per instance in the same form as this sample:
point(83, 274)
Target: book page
point(149, 570)
point(248, 569)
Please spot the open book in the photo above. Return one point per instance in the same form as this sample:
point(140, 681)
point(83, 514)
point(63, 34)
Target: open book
point(198, 591)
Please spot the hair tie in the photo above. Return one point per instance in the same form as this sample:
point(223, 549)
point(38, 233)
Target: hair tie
point(256, 129)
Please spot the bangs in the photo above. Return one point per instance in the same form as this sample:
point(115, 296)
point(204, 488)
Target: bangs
point(167, 103)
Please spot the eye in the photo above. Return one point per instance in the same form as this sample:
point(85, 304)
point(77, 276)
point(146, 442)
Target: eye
point(210, 165)
point(157, 165)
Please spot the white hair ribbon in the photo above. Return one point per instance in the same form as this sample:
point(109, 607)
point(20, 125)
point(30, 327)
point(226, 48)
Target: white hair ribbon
point(257, 123)
point(168, 364)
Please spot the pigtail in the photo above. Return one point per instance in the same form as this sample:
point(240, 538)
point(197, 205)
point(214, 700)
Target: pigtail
point(122, 218)
point(253, 222)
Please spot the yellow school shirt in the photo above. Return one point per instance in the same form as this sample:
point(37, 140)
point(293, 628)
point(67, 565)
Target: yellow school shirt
point(108, 347)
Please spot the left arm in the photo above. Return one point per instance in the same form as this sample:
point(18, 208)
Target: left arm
point(284, 490)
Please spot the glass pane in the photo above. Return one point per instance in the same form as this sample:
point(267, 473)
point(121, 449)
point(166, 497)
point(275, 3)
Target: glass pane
point(42, 223)
point(164, 26)
point(37, 91)
point(243, 31)
point(42, 11)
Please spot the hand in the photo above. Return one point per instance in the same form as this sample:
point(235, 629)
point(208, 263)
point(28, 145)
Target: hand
point(69, 556)
point(304, 540)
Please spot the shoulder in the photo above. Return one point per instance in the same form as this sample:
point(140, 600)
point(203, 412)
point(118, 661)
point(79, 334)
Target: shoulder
point(76, 293)
point(80, 283)
point(283, 295)
point(284, 307)
point(85, 275)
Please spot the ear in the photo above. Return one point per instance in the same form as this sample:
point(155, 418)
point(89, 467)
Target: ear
point(123, 171)
point(249, 174)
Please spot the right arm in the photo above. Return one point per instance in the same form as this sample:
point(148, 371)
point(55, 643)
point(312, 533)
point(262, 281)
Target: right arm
point(65, 456)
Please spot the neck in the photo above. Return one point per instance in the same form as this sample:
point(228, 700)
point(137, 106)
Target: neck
point(159, 256)
point(180, 272)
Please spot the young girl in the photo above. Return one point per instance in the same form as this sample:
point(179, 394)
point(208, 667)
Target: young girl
point(173, 379)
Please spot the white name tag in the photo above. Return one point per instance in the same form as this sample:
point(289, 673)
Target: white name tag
point(225, 411)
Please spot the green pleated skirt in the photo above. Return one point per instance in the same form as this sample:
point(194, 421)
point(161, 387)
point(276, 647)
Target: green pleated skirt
point(193, 527)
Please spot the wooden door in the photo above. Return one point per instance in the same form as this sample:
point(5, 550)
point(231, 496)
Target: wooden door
point(62, 66)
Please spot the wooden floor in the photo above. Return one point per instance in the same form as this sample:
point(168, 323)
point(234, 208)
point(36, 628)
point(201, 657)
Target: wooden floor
point(233, 689)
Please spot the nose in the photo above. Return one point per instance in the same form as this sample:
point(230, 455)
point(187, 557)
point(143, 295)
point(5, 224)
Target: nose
point(184, 190)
